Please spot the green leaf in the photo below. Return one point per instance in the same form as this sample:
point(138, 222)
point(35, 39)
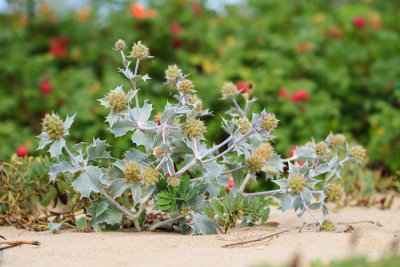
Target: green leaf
point(81, 223)
point(164, 201)
point(97, 150)
point(209, 212)
point(121, 127)
point(88, 181)
point(216, 205)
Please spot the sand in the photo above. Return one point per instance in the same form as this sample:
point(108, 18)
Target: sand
point(129, 248)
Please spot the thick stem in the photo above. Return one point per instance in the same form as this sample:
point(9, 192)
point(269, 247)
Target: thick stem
point(229, 149)
point(209, 152)
point(186, 167)
point(196, 148)
point(244, 183)
point(157, 225)
point(317, 192)
point(134, 87)
point(344, 160)
point(128, 214)
point(308, 209)
point(234, 170)
point(137, 225)
point(265, 193)
point(238, 107)
point(70, 154)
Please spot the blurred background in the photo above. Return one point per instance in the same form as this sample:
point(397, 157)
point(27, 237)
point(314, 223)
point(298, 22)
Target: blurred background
point(321, 66)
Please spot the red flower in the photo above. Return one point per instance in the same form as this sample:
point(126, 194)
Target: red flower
point(45, 87)
point(176, 42)
point(283, 93)
point(175, 28)
point(58, 46)
point(230, 184)
point(196, 8)
point(359, 22)
point(300, 95)
point(244, 87)
point(22, 151)
point(300, 163)
point(138, 11)
point(292, 150)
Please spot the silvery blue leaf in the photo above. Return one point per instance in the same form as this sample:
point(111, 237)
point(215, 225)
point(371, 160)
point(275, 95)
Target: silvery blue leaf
point(97, 150)
point(136, 193)
point(112, 117)
point(53, 227)
point(118, 186)
point(44, 140)
point(121, 127)
point(68, 122)
point(202, 224)
point(88, 181)
point(56, 148)
point(61, 167)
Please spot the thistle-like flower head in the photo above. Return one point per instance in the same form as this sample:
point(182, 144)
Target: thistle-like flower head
point(150, 175)
point(53, 126)
point(195, 100)
point(194, 128)
point(357, 152)
point(327, 226)
point(132, 172)
point(119, 45)
point(185, 86)
point(265, 150)
point(321, 149)
point(268, 121)
point(334, 193)
point(244, 124)
point(229, 90)
point(337, 140)
point(173, 73)
point(296, 183)
point(139, 51)
point(174, 181)
point(255, 163)
point(118, 101)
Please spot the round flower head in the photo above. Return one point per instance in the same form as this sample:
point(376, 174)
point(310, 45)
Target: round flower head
point(357, 152)
point(229, 90)
point(296, 183)
point(139, 50)
point(244, 124)
point(173, 73)
point(194, 128)
point(321, 149)
point(337, 140)
point(269, 121)
point(120, 45)
point(194, 99)
point(132, 172)
point(158, 153)
point(117, 100)
point(327, 226)
point(255, 163)
point(157, 118)
point(334, 193)
point(174, 181)
point(185, 86)
point(53, 126)
point(265, 151)
point(150, 175)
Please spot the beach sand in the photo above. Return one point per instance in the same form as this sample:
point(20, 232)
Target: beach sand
point(129, 248)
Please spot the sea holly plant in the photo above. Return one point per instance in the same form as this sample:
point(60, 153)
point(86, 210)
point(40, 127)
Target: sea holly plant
point(170, 168)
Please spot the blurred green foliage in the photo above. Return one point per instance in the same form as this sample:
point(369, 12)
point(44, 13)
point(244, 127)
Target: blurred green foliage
point(350, 74)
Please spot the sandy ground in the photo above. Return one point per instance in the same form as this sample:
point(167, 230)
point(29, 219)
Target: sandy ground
point(71, 248)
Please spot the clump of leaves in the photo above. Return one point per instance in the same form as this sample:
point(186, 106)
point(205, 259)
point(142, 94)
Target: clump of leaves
point(169, 151)
point(26, 193)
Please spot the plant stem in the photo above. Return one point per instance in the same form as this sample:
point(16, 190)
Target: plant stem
point(196, 148)
point(244, 183)
point(134, 87)
point(234, 170)
point(70, 154)
point(249, 133)
point(344, 160)
point(161, 163)
point(308, 209)
point(264, 193)
point(238, 107)
point(131, 216)
point(186, 167)
point(157, 225)
point(317, 192)
point(209, 152)
point(289, 159)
